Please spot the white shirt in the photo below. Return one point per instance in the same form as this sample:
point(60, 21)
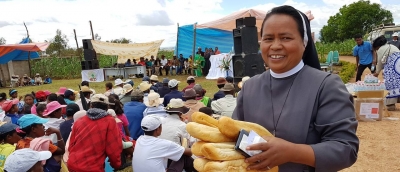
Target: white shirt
point(164, 62)
point(118, 91)
point(79, 103)
point(53, 123)
point(173, 129)
point(152, 154)
point(224, 106)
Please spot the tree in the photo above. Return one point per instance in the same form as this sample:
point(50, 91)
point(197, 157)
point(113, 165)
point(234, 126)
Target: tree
point(2, 41)
point(57, 44)
point(97, 37)
point(121, 41)
point(357, 18)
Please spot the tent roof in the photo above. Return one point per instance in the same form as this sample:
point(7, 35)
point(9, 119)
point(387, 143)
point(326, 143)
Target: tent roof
point(228, 22)
point(4, 49)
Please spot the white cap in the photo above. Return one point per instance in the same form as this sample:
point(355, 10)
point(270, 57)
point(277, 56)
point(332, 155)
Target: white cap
point(395, 34)
point(150, 123)
point(118, 81)
point(173, 83)
point(24, 159)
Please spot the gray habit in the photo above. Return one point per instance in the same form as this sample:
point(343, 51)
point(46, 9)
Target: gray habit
point(318, 112)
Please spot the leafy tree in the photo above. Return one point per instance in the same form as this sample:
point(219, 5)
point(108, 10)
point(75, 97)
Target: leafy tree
point(357, 18)
point(121, 40)
point(97, 37)
point(57, 44)
point(2, 41)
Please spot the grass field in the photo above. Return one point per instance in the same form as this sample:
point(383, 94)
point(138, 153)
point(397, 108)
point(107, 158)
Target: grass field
point(99, 87)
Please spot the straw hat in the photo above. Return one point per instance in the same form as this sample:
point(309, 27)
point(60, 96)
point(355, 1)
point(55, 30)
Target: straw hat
point(177, 106)
point(154, 99)
point(153, 78)
point(244, 79)
point(127, 88)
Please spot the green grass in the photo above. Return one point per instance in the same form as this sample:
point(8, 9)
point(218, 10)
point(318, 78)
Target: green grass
point(99, 87)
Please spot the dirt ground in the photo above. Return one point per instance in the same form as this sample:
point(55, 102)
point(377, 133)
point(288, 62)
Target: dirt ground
point(379, 141)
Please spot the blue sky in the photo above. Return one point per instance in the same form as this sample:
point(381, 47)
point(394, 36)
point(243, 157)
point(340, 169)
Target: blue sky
point(142, 20)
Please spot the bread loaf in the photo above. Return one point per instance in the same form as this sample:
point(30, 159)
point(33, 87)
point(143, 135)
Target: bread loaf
point(196, 148)
point(207, 133)
point(203, 118)
point(199, 164)
point(231, 128)
point(221, 151)
point(231, 166)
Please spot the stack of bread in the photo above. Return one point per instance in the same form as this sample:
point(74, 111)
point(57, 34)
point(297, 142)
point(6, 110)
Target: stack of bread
point(217, 139)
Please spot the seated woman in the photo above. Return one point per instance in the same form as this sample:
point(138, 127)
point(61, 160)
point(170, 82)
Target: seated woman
point(47, 80)
point(128, 63)
point(38, 79)
point(314, 135)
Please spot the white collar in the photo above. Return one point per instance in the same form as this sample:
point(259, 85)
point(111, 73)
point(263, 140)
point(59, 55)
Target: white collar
point(290, 72)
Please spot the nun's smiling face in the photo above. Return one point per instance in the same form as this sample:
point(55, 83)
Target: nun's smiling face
point(281, 46)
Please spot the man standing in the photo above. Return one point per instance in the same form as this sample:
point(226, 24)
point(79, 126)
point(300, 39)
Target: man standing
point(200, 52)
point(395, 40)
point(93, 138)
point(363, 52)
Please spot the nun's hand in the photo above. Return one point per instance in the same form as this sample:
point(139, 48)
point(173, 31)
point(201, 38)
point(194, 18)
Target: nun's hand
point(275, 152)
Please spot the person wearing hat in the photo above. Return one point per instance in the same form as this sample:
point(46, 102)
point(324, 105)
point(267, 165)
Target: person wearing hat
point(174, 129)
point(38, 79)
point(200, 95)
point(164, 89)
point(152, 153)
point(221, 81)
point(244, 79)
point(86, 83)
point(129, 81)
point(192, 103)
point(26, 160)
point(14, 96)
point(229, 79)
point(126, 97)
point(41, 98)
point(155, 85)
point(26, 80)
point(65, 126)
point(154, 106)
point(102, 140)
point(11, 109)
point(145, 87)
point(54, 113)
point(395, 41)
point(173, 84)
point(146, 79)
point(14, 81)
point(225, 106)
point(118, 90)
point(134, 113)
point(69, 97)
point(8, 137)
point(86, 93)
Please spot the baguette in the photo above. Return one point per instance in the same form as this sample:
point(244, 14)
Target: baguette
point(199, 164)
point(231, 128)
point(202, 118)
point(221, 151)
point(232, 166)
point(196, 148)
point(206, 133)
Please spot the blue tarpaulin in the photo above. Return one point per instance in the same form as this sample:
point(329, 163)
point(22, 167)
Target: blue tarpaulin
point(205, 38)
point(18, 54)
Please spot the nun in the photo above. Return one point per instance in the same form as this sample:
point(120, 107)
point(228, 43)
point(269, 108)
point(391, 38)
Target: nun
point(310, 112)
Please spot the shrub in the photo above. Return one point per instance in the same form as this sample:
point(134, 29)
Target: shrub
point(347, 71)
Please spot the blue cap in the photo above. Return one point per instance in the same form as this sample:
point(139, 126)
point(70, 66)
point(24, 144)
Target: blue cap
point(165, 81)
point(12, 91)
point(146, 78)
point(7, 127)
point(30, 119)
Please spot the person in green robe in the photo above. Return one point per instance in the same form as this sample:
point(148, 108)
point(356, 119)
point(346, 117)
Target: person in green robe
point(199, 63)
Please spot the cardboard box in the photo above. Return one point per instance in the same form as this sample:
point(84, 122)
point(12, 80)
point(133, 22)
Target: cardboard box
point(369, 105)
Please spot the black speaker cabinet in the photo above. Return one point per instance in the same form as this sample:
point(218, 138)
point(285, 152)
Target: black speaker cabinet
point(91, 64)
point(89, 54)
point(245, 40)
point(249, 65)
point(245, 21)
point(87, 44)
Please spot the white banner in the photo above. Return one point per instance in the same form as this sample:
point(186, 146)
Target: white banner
point(95, 75)
point(215, 71)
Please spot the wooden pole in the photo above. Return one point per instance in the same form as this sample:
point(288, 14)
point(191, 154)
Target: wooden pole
point(29, 53)
point(77, 46)
point(177, 41)
point(91, 29)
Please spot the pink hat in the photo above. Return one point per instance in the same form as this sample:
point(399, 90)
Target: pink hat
point(51, 107)
point(47, 92)
point(6, 106)
point(62, 90)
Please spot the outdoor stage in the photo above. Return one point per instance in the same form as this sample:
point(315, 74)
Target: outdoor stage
point(106, 74)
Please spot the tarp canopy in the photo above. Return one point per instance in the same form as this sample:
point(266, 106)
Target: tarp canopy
point(127, 51)
point(20, 51)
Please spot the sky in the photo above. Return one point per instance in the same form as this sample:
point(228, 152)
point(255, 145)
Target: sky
point(141, 20)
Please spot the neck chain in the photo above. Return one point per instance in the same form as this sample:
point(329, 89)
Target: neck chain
point(272, 103)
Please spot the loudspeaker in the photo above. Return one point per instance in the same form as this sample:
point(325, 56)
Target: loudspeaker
point(245, 40)
point(249, 65)
point(88, 65)
point(245, 21)
point(87, 44)
point(89, 54)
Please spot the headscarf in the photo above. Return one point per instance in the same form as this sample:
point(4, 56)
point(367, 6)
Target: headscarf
point(310, 55)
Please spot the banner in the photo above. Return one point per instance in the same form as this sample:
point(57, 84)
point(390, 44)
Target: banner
point(128, 51)
point(95, 75)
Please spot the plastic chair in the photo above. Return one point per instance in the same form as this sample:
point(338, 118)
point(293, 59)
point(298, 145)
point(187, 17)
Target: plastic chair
point(335, 57)
point(328, 61)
